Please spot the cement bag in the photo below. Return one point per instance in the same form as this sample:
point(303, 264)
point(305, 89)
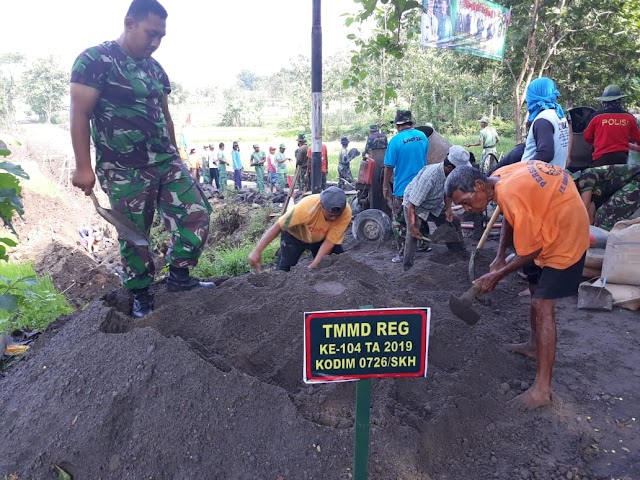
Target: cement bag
point(621, 264)
point(625, 296)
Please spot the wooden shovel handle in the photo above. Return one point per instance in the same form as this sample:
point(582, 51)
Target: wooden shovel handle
point(487, 230)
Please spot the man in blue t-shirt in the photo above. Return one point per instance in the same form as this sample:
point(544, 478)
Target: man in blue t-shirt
point(405, 157)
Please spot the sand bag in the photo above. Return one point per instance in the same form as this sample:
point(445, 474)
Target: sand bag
point(625, 296)
point(621, 264)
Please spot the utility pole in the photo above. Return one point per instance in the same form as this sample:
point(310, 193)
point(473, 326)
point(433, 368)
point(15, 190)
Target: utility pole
point(316, 99)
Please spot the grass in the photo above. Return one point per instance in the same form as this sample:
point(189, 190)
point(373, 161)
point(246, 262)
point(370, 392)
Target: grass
point(40, 303)
point(230, 261)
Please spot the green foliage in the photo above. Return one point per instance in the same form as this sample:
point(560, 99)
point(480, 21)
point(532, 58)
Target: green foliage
point(240, 234)
point(10, 201)
point(248, 80)
point(179, 94)
point(583, 45)
point(27, 302)
point(44, 86)
point(231, 261)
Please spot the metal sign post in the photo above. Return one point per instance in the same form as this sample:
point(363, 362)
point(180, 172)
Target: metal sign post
point(316, 99)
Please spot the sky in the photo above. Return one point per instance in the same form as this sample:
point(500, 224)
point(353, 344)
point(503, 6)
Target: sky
point(207, 43)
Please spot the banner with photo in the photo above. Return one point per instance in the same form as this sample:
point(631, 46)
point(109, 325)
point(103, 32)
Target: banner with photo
point(477, 27)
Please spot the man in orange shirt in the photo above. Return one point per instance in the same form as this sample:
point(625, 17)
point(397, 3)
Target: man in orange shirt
point(325, 164)
point(546, 222)
point(317, 223)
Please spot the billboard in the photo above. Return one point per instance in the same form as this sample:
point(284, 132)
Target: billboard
point(477, 27)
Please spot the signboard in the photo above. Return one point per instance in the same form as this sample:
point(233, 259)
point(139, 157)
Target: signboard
point(346, 345)
point(477, 27)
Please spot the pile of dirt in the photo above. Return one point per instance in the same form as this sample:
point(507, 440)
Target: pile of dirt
point(210, 386)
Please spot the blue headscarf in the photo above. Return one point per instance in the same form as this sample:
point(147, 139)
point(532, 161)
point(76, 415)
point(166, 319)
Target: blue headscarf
point(541, 95)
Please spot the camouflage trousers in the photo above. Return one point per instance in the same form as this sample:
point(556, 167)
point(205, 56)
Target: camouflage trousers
point(304, 179)
point(260, 178)
point(282, 180)
point(169, 188)
point(398, 223)
point(619, 206)
point(344, 173)
point(223, 177)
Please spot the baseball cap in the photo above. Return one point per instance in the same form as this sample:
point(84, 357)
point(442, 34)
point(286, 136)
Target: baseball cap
point(282, 145)
point(344, 140)
point(302, 138)
point(272, 149)
point(458, 156)
point(235, 143)
point(373, 128)
point(333, 199)
point(256, 145)
point(403, 116)
point(211, 145)
point(484, 120)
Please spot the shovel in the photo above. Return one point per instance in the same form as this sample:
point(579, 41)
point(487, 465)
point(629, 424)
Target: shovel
point(594, 298)
point(125, 227)
point(462, 306)
point(483, 239)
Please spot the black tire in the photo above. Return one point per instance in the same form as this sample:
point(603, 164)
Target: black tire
point(371, 226)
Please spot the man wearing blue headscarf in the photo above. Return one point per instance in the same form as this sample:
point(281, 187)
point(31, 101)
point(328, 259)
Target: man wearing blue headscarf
point(548, 137)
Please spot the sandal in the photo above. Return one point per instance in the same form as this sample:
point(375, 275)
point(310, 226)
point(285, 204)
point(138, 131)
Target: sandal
point(398, 259)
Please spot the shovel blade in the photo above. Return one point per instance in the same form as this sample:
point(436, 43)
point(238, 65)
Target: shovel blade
point(125, 227)
point(463, 310)
point(594, 298)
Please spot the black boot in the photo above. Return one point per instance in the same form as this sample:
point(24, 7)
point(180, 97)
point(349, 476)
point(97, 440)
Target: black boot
point(142, 303)
point(179, 280)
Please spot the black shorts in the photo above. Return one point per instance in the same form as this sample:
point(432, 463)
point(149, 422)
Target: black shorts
point(553, 283)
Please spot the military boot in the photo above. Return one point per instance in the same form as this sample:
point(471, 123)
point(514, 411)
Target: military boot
point(179, 280)
point(142, 303)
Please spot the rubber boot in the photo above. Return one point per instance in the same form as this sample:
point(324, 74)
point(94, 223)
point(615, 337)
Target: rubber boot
point(179, 280)
point(142, 303)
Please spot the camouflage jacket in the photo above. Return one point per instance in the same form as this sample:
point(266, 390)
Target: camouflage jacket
point(128, 125)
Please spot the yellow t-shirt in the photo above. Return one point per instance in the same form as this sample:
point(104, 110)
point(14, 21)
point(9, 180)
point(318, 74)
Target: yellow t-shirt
point(542, 204)
point(306, 222)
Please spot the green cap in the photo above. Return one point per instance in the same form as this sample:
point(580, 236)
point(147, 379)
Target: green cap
point(373, 128)
point(484, 120)
point(256, 145)
point(282, 145)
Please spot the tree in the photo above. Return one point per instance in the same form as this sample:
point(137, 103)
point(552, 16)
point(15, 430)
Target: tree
point(44, 86)
point(178, 94)
point(9, 62)
point(248, 80)
point(568, 40)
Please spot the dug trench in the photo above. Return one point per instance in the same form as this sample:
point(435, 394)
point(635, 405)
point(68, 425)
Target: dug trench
point(210, 385)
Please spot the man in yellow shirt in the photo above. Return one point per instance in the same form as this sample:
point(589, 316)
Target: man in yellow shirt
point(317, 223)
point(546, 222)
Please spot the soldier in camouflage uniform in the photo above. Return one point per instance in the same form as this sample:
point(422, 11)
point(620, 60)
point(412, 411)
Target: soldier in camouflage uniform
point(376, 140)
point(302, 162)
point(257, 161)
point(345, 177)
point(611, 193)
point(119, 95)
